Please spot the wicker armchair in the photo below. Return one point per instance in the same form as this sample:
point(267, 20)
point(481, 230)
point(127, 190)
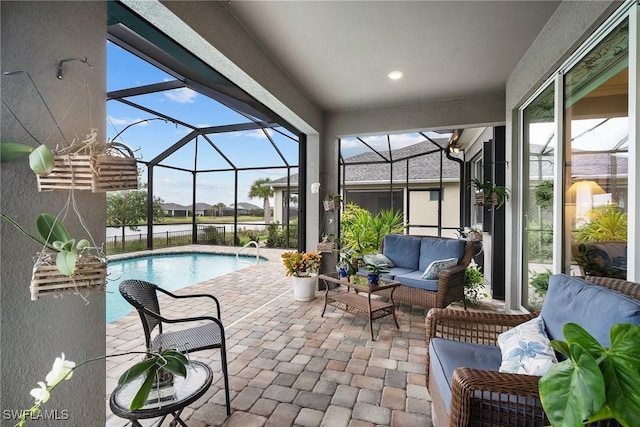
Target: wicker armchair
point(487, 398)
point(450, 284)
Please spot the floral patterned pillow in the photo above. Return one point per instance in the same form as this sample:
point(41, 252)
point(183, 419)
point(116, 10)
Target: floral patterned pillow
point(431, 272)
point(378, 259)
point(526, 349)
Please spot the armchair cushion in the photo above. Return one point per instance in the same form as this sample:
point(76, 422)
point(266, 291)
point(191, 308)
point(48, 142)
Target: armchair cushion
point(447, 355)
point(567, 298)
point(403, 251)
point(433, 249)
point(526, 349)
point(432, 271)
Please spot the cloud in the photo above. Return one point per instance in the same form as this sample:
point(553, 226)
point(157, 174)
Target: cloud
point(254, 133)
point(183, 95)
point(124, 121)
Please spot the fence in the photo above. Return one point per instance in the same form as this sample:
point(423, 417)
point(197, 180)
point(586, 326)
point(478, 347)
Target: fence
point(207, 234)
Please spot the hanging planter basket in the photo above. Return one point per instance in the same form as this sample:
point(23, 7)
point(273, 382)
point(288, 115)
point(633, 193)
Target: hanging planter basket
point(326, 246)
point(95, 173)
point(46, 280)
point(329, 205)
point(479, 199)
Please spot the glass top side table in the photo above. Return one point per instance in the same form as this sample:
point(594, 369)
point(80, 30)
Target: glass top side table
point(185, 391)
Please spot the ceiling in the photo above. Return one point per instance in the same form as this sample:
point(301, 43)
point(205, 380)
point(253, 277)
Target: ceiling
point(340, 52)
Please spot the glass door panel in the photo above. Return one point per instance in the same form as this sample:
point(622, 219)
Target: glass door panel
point(596, 145)
point(539, 136)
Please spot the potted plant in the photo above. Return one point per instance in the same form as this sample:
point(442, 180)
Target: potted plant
point(303, 268)
point(332, 202)
point(473, 284)
point(374, 272)
point(328, 243)
point(489, 194)
point(594, 383)
point(64, 264)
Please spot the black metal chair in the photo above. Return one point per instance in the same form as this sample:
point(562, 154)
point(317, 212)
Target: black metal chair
point(143, 296)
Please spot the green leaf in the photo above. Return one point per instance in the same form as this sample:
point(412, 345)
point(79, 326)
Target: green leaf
point(57, 245)
point(13, 150)
point(136, 370)
point(83, 244)
point(174, 364)
point(573, 390)
point(141, 397)
point(574, 333)
point(51, 229)
point(66, 262)
point(561, 347)
point(621, 368)
point(41, 160)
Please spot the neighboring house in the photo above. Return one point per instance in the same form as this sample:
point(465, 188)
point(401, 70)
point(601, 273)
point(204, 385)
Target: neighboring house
point(176, 210)
point(416, 195)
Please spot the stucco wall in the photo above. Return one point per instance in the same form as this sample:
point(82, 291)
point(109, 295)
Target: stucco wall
point(35, 37)
point(567, 28)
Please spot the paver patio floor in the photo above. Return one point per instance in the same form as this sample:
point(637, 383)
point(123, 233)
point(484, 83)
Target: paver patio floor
point(287, 364)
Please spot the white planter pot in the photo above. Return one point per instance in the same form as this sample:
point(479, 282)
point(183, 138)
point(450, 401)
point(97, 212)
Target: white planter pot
point(304, 288)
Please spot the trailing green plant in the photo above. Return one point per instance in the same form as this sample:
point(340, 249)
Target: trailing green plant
point(488, 190)
point(594, 383)
point(473, 284)
point(543, 193)
point(605, 223)
point(540, 281)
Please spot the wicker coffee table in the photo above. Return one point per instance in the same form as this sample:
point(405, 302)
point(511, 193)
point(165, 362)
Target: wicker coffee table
point(353, 302)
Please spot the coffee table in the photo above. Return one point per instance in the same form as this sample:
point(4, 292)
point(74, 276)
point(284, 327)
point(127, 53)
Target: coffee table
point(186, 390)
point(353, 302)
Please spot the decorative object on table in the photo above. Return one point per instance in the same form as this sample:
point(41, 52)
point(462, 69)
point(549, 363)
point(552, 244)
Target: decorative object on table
point(167, 360)
point(473, 284)
point(302, 267)
point(594, 383)
point(488, 194)
point(63, 265)
point(374, 271)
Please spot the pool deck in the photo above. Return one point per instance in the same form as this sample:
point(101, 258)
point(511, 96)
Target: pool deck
point(287, 364)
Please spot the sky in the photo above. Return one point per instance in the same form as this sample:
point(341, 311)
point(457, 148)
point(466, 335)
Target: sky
point(244, 149)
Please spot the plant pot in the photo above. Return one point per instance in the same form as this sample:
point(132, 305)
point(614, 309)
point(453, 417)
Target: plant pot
point(46, 280)
point(162, 389)
point(342, 271)
point(326, 246)
point(329, 205)
point(373, 278)
point(98, 173)
point(304, 288)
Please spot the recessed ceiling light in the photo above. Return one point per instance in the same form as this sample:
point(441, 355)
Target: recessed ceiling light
point(395, 75)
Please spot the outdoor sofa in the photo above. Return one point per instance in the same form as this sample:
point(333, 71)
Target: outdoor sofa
point(411, 256)
point(464, 357)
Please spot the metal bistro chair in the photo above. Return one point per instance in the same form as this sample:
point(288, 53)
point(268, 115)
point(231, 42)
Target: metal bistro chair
point(142, 295)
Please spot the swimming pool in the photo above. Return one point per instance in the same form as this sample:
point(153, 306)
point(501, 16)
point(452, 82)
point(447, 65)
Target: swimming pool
point(169, 271)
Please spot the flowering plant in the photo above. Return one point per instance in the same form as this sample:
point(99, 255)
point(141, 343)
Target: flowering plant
point(301, 264)
point(169, 360)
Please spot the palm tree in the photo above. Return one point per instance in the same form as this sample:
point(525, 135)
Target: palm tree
point(219, 207)
point(261, 188)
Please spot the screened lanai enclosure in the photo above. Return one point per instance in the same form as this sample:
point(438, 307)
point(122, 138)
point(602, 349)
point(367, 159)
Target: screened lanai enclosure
point(200, 141)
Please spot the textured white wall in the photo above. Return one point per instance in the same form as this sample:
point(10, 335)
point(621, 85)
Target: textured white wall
point(35, 37)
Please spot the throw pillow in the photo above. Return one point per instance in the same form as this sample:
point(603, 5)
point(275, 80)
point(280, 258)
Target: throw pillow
point(526, 349)
point(437, 266)
point(378, 259)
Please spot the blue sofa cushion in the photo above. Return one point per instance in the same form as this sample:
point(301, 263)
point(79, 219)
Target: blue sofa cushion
point(447, 355)
point(402, 250)
point(415, 280)
point(396, 271)
point(567, 298)
point(435, 249)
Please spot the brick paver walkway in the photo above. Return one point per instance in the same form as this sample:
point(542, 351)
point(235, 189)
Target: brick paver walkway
point(289, 366)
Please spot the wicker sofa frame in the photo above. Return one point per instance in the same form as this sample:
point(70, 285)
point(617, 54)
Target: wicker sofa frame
point(521, 391)
point(450, 284)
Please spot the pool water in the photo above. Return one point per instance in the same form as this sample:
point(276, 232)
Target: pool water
point(168, 271)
